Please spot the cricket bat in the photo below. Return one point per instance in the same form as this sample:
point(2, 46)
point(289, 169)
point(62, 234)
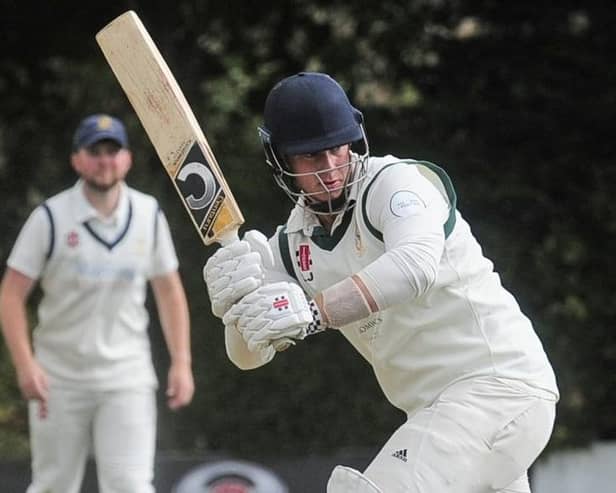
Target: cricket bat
point(171, 127)
point(173, 130)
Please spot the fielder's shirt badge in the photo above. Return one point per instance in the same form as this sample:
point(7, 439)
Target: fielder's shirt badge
point(72, 239)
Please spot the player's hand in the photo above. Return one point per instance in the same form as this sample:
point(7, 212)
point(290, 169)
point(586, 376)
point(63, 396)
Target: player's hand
point(236, 270)
point(180, 385)
point(34, 385)
point(270, 313)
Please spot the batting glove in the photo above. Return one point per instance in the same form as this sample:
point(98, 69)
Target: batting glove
point(236, 270)
point(275, 314)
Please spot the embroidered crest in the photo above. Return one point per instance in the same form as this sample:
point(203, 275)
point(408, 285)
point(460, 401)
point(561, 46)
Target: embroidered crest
point(72, 239)
point(359, 244)
point(104, 122)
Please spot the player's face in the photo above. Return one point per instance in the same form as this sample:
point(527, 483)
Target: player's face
point(102, 165)
point(322, 175)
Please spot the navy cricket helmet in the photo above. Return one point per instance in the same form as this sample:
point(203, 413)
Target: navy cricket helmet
point(306, 113)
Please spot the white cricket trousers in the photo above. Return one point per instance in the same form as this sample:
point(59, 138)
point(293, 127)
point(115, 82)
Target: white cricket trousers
point(479, 436)
point(119, 427)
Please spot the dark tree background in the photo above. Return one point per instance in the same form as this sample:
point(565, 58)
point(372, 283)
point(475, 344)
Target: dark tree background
point(515, 99)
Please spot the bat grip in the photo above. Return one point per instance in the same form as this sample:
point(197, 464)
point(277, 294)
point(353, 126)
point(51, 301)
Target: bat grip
point(228, 237)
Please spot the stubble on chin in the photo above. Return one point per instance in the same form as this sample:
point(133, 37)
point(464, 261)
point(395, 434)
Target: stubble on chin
point(101, 187)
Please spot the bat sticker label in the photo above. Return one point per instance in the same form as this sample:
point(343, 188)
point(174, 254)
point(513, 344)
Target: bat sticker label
point(209, 185)
point(200, 191)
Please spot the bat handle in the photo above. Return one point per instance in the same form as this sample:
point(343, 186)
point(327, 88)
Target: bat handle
point(228, 237)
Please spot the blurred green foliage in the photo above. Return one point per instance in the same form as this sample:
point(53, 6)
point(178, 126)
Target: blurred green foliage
point(515, 100)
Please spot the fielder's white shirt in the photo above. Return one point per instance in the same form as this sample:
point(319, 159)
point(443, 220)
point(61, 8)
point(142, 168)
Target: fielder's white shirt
point(446, 317)
point(93, 271)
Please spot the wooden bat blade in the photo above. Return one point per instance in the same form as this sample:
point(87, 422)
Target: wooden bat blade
point(171, 127)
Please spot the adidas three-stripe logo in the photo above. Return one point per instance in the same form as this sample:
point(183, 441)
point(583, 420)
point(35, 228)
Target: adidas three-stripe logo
point(400, 454)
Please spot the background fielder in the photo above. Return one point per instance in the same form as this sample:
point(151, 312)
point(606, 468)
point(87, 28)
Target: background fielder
point(382, 254)
point(90, 379)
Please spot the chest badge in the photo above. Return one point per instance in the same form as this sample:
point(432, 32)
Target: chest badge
point(72, 239)
point(359, 244)
point(304, 260)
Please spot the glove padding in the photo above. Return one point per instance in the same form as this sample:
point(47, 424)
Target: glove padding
point(236, 270)
point(275, 314)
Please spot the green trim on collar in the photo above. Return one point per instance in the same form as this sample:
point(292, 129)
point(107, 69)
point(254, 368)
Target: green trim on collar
point(320, 237)
point(324, 240)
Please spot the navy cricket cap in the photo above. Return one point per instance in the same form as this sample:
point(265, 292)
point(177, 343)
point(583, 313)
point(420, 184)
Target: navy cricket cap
point(95, 128)
point(309, 112)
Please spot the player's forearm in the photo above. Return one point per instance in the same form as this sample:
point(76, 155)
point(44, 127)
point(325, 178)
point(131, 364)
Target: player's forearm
point(16, 330)
point(345, 302)
point(174, 316)
point(400, 275)
point(14, 292)
point(177, 338)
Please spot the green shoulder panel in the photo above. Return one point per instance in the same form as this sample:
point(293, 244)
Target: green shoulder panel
point(436, 175)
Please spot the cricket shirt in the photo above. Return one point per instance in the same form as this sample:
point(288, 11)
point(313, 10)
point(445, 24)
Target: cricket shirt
point(93, 272)
point(446, 315)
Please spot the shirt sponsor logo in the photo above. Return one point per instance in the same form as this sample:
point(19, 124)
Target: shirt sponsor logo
point(304, 260)
point(370, 324)
point(104, 272)
point(400, 454)
point(369, 330)
point(406, 203)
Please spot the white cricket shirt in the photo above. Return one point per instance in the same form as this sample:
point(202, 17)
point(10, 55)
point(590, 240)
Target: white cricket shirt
point(446, 317)
point(93, 271)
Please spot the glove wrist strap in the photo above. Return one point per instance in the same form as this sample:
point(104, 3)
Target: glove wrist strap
point(317, 320)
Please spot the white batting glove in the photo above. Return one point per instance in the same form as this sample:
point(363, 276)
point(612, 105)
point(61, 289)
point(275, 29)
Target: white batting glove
point(275, 314)
point(236, 270)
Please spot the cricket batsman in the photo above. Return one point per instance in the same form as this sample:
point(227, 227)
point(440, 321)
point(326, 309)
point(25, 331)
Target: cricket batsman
point(375, 248)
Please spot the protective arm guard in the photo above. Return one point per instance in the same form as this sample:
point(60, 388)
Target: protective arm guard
point(346, 301)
